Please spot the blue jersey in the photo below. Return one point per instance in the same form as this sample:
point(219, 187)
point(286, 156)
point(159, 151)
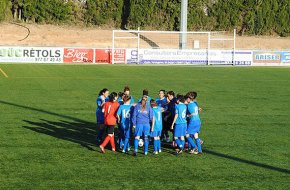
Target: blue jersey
point(162, 103)
point(142, 116)
point(157, 114)
point(180, 109)
point(99, 113)
point(125, 112)
point(193, 110)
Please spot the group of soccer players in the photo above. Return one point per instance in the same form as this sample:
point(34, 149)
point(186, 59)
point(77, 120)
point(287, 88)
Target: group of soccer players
point(148, 120)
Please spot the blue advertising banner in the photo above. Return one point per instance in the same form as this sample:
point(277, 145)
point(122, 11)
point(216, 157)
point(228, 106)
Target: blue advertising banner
point(285, 57)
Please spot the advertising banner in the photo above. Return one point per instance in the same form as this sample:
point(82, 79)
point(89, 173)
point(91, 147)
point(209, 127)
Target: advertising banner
point(102, 55)
point(105, 56)
point(285, 57)
point(31, 55)
point(197, 57)
point(243, 57)
point(131, 56)
point(77, 55)
point(266, 57)
point(172, 56)
point(119, 56)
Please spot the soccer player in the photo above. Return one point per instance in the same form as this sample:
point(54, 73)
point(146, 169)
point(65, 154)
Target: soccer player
point(120, 98)
point(169, 113)
point(194, 124)
point(110, 109)
point(162, 102)
point(101, 100)
point(156, 125)
point(124, 118)
point(179, 123)
point(142, 115)
point(145, 93)
point(127, 92)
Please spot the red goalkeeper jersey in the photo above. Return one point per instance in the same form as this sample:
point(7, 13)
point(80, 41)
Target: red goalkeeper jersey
point(110, 112)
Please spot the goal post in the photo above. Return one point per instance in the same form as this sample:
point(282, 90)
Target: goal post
point(207, 48)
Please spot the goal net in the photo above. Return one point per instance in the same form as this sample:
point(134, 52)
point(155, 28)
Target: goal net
point(166, 47)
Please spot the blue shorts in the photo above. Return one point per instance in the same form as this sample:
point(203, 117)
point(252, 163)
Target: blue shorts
point(142, 129)
point(193, 127)
point(155, 134)
point(124, 131)
point(180, 130)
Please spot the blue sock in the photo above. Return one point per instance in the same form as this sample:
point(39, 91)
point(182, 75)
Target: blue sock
point(159, 144)
point(198, 144)
point(155, 145)
point(126, 144)
point(182, 143)
point(146, 144)
point(136, 142)
point(178, 142)
point(191, 143)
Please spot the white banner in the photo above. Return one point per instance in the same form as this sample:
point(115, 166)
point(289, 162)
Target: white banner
point(172, 56)
point(177, 56)
point(31, 55)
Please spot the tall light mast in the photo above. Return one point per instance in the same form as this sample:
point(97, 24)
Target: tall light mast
point(183, 24)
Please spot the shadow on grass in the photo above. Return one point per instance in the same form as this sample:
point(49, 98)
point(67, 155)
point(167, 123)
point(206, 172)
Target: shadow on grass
point(83, 132)
point(261, 165)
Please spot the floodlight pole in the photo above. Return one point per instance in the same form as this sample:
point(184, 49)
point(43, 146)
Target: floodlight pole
point(183, 24)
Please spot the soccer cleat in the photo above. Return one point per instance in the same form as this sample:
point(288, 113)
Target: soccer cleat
point(193, 151)
point(123, 151)
point(179, 152)
point(155, 152)
point(159, 150)
point(102, 149)
point(145, 153)
point(135, 154)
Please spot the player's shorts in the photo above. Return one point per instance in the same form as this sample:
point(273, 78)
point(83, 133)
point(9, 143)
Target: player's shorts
point(193, 127)
point(110, 129)
point(142, 129)
point(155, 134)
point(180, 130)
point(124, 131)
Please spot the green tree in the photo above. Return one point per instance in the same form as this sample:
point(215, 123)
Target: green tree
point(5, 10)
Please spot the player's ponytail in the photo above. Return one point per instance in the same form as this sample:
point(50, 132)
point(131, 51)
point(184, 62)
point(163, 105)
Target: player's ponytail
point(153, 103)
point(103, 91)
point(113, 96)
point(143, 104)
point(180, 98)
point(126, 98)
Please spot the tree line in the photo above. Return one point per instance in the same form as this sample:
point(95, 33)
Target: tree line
point(251, 17)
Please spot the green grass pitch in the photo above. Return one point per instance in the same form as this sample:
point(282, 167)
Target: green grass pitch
point(47, 128)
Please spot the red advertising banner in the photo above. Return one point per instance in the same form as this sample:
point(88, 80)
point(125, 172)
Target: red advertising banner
point(102, 56)
point(105, 56)
point(77, 55)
